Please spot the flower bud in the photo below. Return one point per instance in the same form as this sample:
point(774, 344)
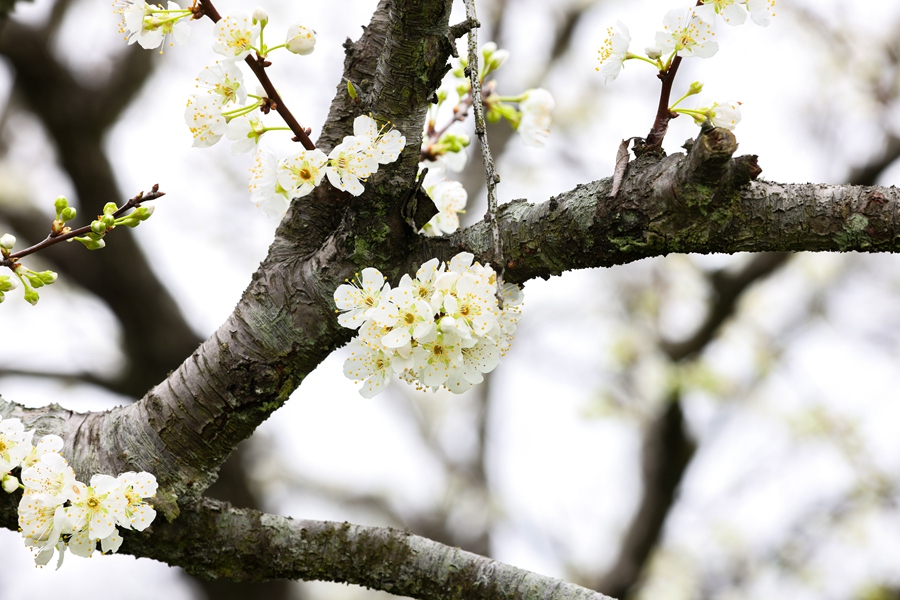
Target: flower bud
point(8, 283)
point(7, 241)
point(91, 243)
point(98, 227)
point(60, 203)
point(47, 277)
point(653, 52)
point(143, 213)
point(260, 16)
point(68, 213)
point(300, 40)
point(497, 59)
point(488, 49)
point(109, 208)
point(696, 87)
point(108, 220)
point(31, 296)
point(10, 483)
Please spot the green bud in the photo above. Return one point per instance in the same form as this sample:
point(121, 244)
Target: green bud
point(7, 283)
point(59, 204)
point(2, 297)
point(91, 243)
point(696, 88)
point(108, 220)
point(98, 227)
point(47, 277)
point(109, 208)
point(67, 214)
point(34, 279)
point(143, 212)
point(31, 296)
point(128, 221)
point(351, 90)
point(441, 95)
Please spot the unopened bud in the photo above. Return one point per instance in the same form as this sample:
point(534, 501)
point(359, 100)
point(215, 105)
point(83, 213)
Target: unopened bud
point(653, 52)
point(47, 277)
point(497, 59)
point(7, 283)
point(68, 213)
point(696, 87)
point(60, 203)
point(260, 16)
point(7, 240)
point(31, 296)
point(488, 49)
point(98, 227)
point(10, 483)
point(300, 40)
point(91, 243)
point(109, 208)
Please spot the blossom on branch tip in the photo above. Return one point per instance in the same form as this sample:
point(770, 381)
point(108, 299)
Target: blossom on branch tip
point(235, 36)
point(614, 51)
point(687, 35)
point(300, 40)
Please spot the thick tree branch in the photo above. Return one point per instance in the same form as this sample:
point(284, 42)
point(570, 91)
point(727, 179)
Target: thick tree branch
point(214, 540)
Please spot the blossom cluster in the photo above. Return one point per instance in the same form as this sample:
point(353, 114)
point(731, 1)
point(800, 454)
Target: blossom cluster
point(58, 512)
point(443, 328)
point(275, 181)
point(686, 33)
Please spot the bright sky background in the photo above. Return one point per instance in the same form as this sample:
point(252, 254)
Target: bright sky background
point(565, 477)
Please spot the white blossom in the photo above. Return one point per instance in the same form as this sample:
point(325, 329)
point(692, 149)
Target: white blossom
point(15, 444)
point(265, 191)
point(300, 40)
point(137, 514)
point(613, 52)
point(386, 146)
point(225, 81)
point(725, 114)
point(245, 132)
point(96, 508)
point(534, 126)
point(299, 174)
point(235, 36)
point(450, 199)
point(761, 11)
point(203, 116)
point(349, 162)
point(686, 34)
point(359, 299)
point(731, 11)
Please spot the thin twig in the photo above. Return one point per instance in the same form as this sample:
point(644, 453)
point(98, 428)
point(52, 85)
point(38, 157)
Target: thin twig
point(258, 66)
point(51, 239)
point(480, 130)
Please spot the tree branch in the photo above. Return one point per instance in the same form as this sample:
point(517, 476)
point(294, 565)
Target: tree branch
point(214, 540)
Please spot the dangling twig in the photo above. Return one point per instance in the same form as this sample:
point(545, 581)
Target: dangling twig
point(478, 108)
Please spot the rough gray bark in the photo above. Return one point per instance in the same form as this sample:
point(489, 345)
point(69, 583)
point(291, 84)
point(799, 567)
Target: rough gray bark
point(284, 325)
